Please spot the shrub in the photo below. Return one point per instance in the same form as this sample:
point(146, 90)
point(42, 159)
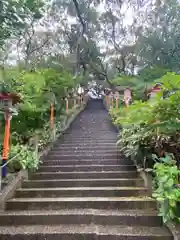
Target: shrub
point(153, 127)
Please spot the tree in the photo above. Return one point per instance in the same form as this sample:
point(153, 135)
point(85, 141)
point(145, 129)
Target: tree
point(159, 42)
point(14, 14)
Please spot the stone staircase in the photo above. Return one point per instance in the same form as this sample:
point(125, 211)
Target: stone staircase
point(84, 190)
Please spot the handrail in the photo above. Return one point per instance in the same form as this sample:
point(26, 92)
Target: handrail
point(4, 165)
point(51, 134)
point(10, 160)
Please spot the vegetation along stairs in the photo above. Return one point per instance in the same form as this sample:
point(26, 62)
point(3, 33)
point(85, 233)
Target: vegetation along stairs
point(84, 189)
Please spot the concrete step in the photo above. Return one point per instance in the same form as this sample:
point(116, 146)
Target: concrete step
point(91, 134)
point(81, 232)
point(79, 168)
point(90, 129)
point(84, 145)
point(78, 137)
point(96, 137)
point(81, 192)
point(84, 151)
point(81, 202)
point(89, 141)
point(106, 182)
point(82, 175)
point(70, 156)
point(82, 216)
point(86, 162)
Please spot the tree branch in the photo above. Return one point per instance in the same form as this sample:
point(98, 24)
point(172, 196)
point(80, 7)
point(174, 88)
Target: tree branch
point(39, 47)
point(79, 16)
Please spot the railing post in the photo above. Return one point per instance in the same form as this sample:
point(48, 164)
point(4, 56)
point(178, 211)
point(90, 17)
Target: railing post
point(67, 106)
point(52, 116)
point(8, 117)
point(82, 100)
point(0, 179)
point(117, 102)
point(52, 125)
point(112, 102)
point(36, 147)
point(127, 96)
point(107, 102)
point(86, 98)
point(74, 102)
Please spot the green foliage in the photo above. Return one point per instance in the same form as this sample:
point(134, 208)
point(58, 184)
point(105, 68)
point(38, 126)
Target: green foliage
point(171, 81)
point(159, 45)
point(145, 79)
point(137, 113)
point(30, 87)
point(24, 152)
point(125, 80)
point(14, 15)
point(59, 82)
point(150, 74)
point(166, 190)
point(24, 158)
point(153, 127)
point(37, 89)
point(45, 134)
point(133, 143)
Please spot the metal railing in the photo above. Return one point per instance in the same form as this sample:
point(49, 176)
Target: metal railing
point(5, 165)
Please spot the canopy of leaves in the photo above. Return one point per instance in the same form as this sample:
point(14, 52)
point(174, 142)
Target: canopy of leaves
point(13, 15)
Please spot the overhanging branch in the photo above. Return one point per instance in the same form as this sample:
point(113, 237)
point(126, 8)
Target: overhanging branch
point(79, 16)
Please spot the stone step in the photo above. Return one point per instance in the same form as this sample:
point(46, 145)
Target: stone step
point(82, 216)
point(96, 135)
point(70, 156)
point(84, 151)
point(100, 137)
point(81, 202)
point(82, 232)
point(86, 162)
point(91, 134)
point(84, 141)
point(82, 175)
point(88, 130)
point(84, 145)
point(89, 141)
point(79, 168)
point(81, 192)
point(106, 182)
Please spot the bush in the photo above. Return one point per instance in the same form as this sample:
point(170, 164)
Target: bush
point(153, 127)
point(23, 158)
point(166, 191)
point(38, 89)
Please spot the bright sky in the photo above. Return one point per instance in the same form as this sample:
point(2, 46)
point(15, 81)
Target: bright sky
point(128, 16)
